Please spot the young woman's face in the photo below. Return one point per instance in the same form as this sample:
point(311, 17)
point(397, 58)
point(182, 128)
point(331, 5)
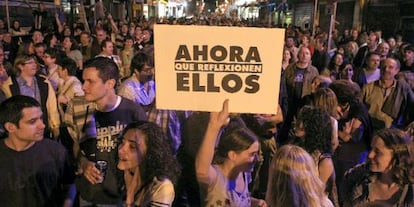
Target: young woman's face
point(247, 158)
point(132, 149)
point(380, 156)
point(286, 55)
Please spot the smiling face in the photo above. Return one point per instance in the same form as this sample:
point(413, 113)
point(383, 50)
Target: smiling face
point(380, 156)
point(247, 158)
point(389, 69)
point(132, 149)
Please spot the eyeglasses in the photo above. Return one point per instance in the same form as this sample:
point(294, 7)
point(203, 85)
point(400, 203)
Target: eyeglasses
point(30, 62)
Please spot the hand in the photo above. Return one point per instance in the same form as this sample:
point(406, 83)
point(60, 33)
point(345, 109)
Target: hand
point(91, 173)
point(221, 118)
point(63, 99)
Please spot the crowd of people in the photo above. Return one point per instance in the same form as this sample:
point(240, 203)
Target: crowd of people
point(80, 126)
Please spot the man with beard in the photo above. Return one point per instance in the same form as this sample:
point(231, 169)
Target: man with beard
point(388, 99)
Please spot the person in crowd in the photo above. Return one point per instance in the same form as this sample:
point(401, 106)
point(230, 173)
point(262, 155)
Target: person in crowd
point(146, 39)
point(347, 73)
point(37, 37)
point(41, 21)
point(70, 47)
point(298, 78)
point(3, 77)
point(305, 41)
point(291, 46)
point(127, 53)
point(325, 99)
point(26, 48)
point(97, 42)
point(393, 46)
point(264, 127)
point(107, 50)
point(15, 29)
point(51, 41)
point(70, 86)
point(39, 52)
point(227, 180)
point(371, 72)
point(49, 58)
point(313, 129)
point(320, 57)
point(387, 177)
point(85, 45)
point(384, 50)
point(388, 99)
point(150, 169)
point(140, 87)
point(371, 46)
point(334, 66)
point(35, 171)
point(27, 82)
point(6, 64)
point(294, 181)
point(408, 63)
point(94, 122)
point(354, 128)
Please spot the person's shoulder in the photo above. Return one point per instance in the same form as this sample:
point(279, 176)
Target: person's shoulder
point(359, 171)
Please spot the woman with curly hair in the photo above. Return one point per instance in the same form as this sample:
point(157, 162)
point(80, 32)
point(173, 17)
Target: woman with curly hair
point(293, 180)
point(388, 176)
point(150, 169)
point(313, 126)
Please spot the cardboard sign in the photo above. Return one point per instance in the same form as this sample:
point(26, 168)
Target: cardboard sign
point(198, 67)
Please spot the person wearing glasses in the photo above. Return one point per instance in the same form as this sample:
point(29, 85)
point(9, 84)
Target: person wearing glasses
point(27, 82)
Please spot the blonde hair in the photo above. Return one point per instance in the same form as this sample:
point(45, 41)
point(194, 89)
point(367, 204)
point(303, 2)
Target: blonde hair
point(293, 180)
point(326, 99)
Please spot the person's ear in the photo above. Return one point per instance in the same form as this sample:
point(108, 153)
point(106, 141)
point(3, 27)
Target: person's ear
point(10, 127)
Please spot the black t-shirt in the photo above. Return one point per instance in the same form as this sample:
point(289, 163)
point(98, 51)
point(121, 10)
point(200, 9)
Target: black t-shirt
point(34, 177)
point(299, 76)
point(105, 147)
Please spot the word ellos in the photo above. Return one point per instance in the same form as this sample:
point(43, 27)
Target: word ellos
point(232, 60)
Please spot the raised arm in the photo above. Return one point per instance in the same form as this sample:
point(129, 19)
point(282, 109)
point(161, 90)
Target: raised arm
point(204, 171)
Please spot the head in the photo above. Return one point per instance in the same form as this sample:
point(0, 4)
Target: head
point(383, 49)
point(325, 99)
point(320, 81)
point(392, 152)
point(85, 38)
point(390, 68)
point(101, 35)
point(21, 117)
point(373, 40)
point(336, 61)
point(293, 179)
point(40, 49)
point(290, 41)
point(146, 147)
point(313, 125)
point(239, 146)
point(16, 25)
point(128, 42)
point(68, 68)
point(101, 77)
point(346, 95)
point(304, 55)
point(288, 56)
point(409, 53)
point(142, 65)
point(373, 60)
point(51, 40)
point(25, 65)
point(107, 47)
point(347, 71)
point(69, 43)
point(37, 37)
point(50, 57)
point(146, 34)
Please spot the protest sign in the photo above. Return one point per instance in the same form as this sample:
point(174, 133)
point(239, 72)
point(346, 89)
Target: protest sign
point(198, 67)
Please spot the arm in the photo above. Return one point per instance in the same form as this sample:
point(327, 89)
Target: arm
point(326, 169)
point(113, 24)
point(204, 170)
point(58, 23)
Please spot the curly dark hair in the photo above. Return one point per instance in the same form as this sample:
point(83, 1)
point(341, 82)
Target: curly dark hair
point(403, 154)
point(159, 160)
point(317, 127)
